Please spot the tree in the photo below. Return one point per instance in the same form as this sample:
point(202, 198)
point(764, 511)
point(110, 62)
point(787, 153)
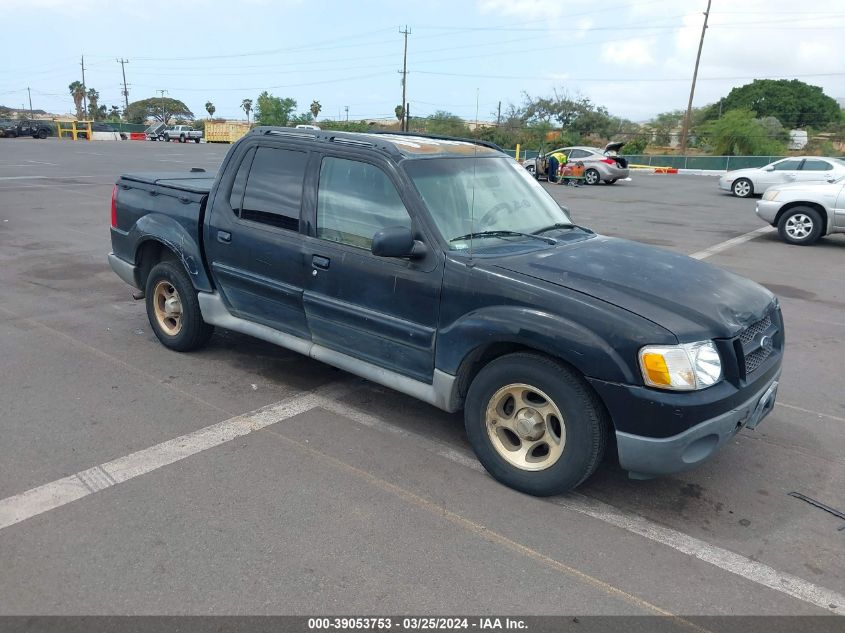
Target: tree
point(272, 110)
point(315, 108)
point(114, 113)
point(77, 91)
point(158, 108)
point(93, 107)
point(794, 103)
point(738, 133)
point(246, 106)
point(399, 111)
point(209, 107)
point(445, 123)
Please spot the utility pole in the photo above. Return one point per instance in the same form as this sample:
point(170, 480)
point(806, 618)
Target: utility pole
point(122, 61)
point(347, 113)
point(30, 102)
point(84, 95)
point(163, 114)
point(685, 128)
point(406, 33)
point(499, 115)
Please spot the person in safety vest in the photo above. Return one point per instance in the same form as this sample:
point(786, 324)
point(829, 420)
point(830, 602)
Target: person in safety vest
point(557, 160)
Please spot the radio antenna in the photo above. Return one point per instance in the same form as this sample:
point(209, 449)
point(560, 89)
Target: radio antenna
point(472, 199)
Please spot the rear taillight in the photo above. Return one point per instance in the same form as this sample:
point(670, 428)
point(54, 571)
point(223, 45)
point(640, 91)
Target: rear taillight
point(609, 161)
point(114, 207)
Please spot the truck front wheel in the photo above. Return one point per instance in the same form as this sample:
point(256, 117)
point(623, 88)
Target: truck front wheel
point(173, 309)
point(534, 424)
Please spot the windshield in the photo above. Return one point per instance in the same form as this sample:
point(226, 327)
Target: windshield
point(473, 196)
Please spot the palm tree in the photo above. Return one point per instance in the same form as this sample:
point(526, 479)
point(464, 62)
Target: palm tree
point(209, 107)
point(77, 91)
point(246, 105)
point(93, 109)
point(315, 108)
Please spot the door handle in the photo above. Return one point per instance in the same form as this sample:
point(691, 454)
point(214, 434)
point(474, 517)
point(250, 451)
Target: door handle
point(224, 237)
point(320, 262)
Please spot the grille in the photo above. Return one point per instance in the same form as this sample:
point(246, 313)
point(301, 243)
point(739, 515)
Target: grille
point(758, 355)
point(754, 329)
point(756, 358)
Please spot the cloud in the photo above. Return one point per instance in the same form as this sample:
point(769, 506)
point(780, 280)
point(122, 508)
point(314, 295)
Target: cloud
point(552, 9)
point(637, 51)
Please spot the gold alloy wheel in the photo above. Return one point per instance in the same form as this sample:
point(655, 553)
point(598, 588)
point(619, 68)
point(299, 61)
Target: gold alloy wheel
point(168, 308)
point(525, 427)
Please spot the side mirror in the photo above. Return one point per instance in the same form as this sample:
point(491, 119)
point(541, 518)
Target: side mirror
point(397, 241)
point(770, 168)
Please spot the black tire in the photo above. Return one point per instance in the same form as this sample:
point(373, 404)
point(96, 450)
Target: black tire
point(42, 134)
point(592, 177)
point(801, 226)
point(584, 421)
point(182, 138)
point(196, 140)
point(612, 181)
point(193, 332)
point(742, 188)
point(166, 138)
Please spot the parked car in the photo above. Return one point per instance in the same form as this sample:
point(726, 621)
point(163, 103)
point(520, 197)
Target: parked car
point(744, 183)
point(8, 129)
point(804, 212)
point(440, 268)
point(600, 165)
point(35, 129)
point(182, 133)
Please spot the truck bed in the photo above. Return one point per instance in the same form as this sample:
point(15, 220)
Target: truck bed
point(195, 182)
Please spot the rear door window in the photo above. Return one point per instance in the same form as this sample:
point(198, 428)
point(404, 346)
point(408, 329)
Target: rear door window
point(236, 197)
point(273, 192)
point(816, 165)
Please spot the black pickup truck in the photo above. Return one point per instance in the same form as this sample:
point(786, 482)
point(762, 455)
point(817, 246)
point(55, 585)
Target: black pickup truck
point(440, 268)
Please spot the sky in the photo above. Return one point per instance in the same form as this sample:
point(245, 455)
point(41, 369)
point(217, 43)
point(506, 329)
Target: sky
point(634, 57)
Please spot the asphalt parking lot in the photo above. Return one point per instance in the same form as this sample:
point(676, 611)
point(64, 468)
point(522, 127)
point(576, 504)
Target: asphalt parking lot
point(345, 497)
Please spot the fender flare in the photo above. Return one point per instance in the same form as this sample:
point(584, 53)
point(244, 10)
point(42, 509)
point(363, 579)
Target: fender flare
point(547, 333)
point(157, 227)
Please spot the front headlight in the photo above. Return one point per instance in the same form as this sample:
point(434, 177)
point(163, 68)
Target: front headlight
point(684, 367)
point(771, 194)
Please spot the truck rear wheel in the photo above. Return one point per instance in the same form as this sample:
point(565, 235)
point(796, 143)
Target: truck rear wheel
point(173, 309)
point(535, 424)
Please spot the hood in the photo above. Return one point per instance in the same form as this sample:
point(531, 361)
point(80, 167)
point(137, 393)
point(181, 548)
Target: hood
point(614, 146)
point(690, 298)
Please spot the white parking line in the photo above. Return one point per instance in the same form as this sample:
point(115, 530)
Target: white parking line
point(63, 491)
point(736, 241)
point(57, 493)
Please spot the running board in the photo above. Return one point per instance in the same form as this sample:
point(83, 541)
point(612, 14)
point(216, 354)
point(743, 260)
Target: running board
point(441, 392)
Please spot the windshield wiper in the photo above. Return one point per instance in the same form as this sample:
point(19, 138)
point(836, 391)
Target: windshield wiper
point(499, 233)
point(552, 227)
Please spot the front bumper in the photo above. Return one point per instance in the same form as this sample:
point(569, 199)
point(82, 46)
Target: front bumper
point(725, 183)
point(645, 457)
point(768, 210)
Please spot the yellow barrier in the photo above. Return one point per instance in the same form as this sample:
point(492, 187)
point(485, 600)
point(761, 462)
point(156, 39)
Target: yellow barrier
point(74, 130)
point(225, 131)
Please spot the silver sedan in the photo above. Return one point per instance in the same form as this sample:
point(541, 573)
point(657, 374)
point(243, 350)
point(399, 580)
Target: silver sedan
point(744, 183)
point(600, 165)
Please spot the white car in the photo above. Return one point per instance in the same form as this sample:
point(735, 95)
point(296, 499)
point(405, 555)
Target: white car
point(804, 212)
point(744, 183)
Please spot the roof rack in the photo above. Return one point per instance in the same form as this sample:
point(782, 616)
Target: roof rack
point(328, 136)
point(441, 137)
